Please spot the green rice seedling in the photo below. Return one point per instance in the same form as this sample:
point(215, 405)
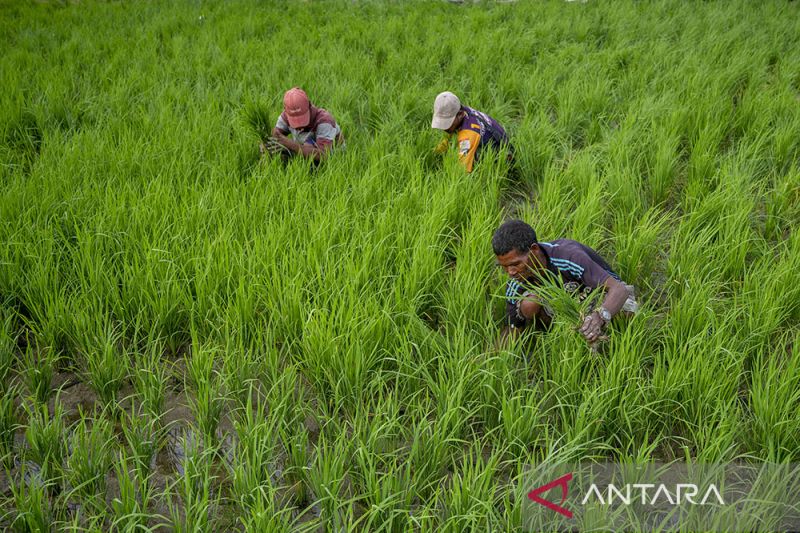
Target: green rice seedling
point(49, 319)
point(295, 473)
point(90, 459)
point(449, 391)
point(568, 310)
point(386, 489)
point(8, 425)
point(240, 370)
point(46, 437)
point(149, 376)
point(430, 452)
point(38, 366)
point(208, 399)
point(8, 341)
point(262, 515)
point(663, 159)
point(34, 511)
point(260, 119)
point(254, 462)
point(773, 401)
point(196, 499)
point(523, 420)
point(106, 367)
point(469, 501)
point(254, 471)
point(284, 398)
point(326, 478)
point(782, 205)
point(83, 522)
point(133, 509)
point(144, 434)
point(637, 246)
point(340, 367)
point(495, 373)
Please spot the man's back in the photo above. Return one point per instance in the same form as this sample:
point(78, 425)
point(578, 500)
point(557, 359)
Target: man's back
point(490, 131)
point(477, 131)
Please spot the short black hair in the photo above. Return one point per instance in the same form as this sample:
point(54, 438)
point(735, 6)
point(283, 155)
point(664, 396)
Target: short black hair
point(513, 235)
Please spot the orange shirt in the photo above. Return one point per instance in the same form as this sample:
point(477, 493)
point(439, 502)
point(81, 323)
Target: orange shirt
point(477, 130)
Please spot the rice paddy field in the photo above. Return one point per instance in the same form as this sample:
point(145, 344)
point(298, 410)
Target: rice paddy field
point(194, 338)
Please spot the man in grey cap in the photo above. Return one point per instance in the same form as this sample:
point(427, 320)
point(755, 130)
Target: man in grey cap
point(474, 129)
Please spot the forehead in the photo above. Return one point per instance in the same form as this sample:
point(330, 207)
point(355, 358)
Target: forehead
point(513, 256)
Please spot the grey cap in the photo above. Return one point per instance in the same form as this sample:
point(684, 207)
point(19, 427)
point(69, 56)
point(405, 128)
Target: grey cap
point(445, 108)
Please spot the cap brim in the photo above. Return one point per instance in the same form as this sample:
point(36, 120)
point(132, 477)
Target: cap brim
point(298, 121)
point(442, 123)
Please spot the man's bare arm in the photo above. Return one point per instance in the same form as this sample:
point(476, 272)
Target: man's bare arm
point(616, 295)
point(306, 150)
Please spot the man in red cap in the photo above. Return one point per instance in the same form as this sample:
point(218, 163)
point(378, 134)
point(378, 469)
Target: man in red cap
point(314, 131)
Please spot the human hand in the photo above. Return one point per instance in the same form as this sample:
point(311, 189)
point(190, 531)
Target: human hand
point(280, 138)
point(592, 328)
point(528, 305)
point(273, 146)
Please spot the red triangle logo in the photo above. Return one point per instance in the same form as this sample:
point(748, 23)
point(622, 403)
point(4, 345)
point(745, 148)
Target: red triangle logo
point(534, 495)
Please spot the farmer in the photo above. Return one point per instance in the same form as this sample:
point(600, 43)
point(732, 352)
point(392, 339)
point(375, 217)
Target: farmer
point(475, 130)
point(314, 131)
point(580, 268)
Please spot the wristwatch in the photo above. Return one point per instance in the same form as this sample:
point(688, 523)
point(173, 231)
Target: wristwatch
point(604, 314)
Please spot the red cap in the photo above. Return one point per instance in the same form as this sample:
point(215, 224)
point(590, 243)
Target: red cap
point(297, 107)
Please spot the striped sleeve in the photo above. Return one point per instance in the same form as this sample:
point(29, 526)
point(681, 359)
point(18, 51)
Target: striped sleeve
point(580, 266)
point(513, 290)
point(282, 125)
point(326, 135)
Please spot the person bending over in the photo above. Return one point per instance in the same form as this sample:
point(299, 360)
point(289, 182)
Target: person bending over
point(474, 130)
point(529, 262)
point(314, 132)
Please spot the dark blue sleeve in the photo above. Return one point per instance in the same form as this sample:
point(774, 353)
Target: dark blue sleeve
point(513, 291)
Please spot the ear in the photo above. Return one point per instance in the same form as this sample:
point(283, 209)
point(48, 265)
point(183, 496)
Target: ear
point(534, 248)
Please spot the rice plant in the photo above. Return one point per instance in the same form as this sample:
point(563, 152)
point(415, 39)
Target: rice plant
point(254, 471)
point(194, 497)
point(144, 434)
point(149, 375)
point(7, 345)
point(38, 368)
point(34, 510)
point(45, 434)
point(90, 458)
point(320, 343)
point(208, 398)
point(133, 509)
point(8, 426)
point(106, 366)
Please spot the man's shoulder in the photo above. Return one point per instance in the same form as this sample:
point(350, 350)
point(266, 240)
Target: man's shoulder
point(470, 123)
point(324, 117)
point(480, 116)
point(566, 254)
point(561, 247)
